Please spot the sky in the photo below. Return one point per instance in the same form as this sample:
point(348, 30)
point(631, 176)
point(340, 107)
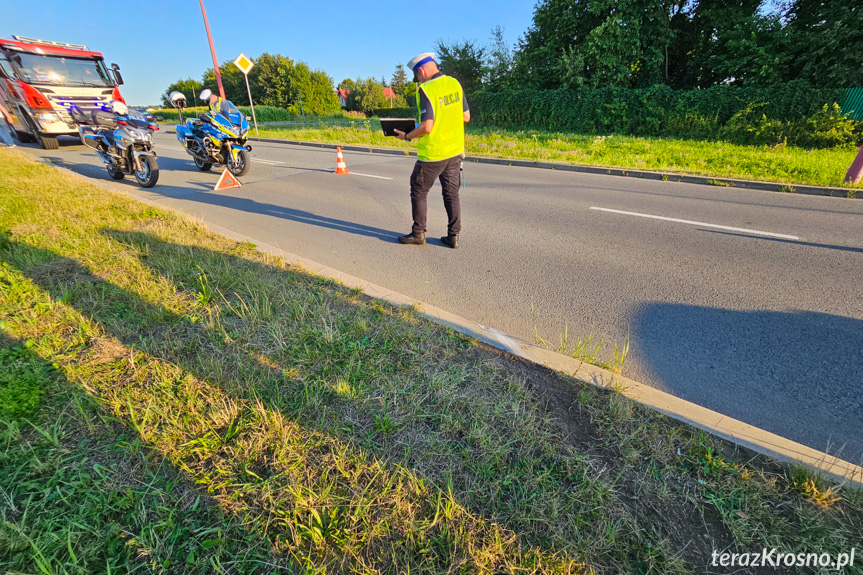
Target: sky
point(160, 42)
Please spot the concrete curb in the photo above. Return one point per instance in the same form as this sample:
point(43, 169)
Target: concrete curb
point(733, 430)
point(849, 193)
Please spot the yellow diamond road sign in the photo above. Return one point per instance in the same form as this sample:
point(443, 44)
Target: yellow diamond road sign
point(244, 63)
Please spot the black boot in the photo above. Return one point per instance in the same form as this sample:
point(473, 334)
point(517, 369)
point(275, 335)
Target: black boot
point(413, 239)
point(451, 241)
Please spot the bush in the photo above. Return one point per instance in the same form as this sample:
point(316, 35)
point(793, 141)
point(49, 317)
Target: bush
point(825, 128)
point(796, 113)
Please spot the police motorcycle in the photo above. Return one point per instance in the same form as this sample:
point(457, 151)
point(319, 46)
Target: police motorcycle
point(123, 140)
point(215, 138)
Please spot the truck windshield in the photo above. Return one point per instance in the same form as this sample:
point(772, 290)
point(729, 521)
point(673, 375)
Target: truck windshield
point(61, 71)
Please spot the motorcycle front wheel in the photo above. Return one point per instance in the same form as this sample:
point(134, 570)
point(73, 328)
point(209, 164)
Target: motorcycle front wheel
point(115, 172)
point(202, 165)
point(240, 166)
point(148, 175)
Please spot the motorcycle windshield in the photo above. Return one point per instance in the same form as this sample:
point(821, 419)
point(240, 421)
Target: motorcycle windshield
point(138, 119)
point(230, 111)
point(232, 118)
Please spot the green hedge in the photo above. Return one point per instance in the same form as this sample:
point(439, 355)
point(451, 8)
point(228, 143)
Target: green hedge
point(792, 113)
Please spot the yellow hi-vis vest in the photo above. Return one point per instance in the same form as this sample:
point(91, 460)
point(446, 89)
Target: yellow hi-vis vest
point(447, 136)
point(217, 107)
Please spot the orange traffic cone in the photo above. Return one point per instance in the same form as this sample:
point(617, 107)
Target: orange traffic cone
point(341, 168)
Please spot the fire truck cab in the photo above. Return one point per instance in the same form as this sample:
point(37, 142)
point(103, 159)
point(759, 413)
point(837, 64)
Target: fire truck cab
point(40, 80)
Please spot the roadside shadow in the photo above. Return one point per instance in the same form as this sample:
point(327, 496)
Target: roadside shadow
point(809, 391)
point(301, 216)
point(202, 351)
point(142, 480)
point(786, 241)
point(166, 164)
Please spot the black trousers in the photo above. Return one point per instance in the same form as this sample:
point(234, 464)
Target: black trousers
point(422, 179)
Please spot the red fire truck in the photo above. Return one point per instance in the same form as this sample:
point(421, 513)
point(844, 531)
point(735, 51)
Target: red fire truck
point(40, 80)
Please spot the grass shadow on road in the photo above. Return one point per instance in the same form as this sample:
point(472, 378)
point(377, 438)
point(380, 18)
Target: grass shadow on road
point(301, 216)
point(791, 242)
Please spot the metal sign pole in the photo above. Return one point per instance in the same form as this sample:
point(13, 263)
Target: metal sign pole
point(249, 90)
point(245, 65)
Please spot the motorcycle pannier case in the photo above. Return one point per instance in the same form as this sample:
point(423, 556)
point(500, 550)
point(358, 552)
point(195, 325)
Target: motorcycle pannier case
point(104, 118)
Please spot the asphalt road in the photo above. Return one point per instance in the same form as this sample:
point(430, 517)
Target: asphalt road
point(765, 328)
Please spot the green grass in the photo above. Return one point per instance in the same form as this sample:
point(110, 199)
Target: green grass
point(199, 407)
point(716, 159)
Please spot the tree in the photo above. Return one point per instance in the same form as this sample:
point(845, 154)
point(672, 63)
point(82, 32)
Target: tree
point(189, 88)
point(351, 87)
point(410, 94)
point(311, 91)
point(558, 26)
point(625, 49)
point(270, 80)
point(464, 61)
point(232, 81)
point(734, 44)
point(499, 63)
point(275, 80)
point(399, 80)
point(367, 95)
point(825, 42)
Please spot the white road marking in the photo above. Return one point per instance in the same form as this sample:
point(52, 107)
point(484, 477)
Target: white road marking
point(743, 230)
point(370, 176)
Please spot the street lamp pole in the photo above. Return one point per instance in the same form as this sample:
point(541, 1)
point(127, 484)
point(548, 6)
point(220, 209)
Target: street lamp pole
point(213, 52)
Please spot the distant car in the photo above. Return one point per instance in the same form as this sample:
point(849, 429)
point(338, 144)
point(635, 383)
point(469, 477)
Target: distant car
point(40, 80)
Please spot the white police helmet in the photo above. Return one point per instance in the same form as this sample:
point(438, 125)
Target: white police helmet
point(178, 99)
point(205, 94)
point(119, 107)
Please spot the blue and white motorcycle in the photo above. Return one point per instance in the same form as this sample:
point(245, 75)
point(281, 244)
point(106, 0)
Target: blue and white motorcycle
point(217, 138)
point(123, 140)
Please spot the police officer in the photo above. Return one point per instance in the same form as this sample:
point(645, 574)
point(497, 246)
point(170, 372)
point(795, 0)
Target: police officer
point(6, 127)
point(215, 103)
point(440, 147)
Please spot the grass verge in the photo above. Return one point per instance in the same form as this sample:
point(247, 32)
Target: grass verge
point(781, 164)
point(190, 405)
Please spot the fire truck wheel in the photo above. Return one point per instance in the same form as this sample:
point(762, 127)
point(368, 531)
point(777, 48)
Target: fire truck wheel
point(48, 142)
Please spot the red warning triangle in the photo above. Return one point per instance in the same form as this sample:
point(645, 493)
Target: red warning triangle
point(227, 180)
